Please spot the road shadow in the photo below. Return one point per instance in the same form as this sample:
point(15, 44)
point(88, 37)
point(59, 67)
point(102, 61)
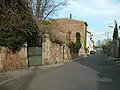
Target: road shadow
point(108, 71)
point(29, 79)
point(75, 56)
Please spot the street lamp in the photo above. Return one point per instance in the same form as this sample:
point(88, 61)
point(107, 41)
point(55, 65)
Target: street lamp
point(111, 26)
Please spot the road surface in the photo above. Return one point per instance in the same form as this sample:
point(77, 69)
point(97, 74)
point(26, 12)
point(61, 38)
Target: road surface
point(95, 72)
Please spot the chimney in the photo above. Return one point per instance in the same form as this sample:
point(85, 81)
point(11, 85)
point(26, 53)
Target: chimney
point(71, 16)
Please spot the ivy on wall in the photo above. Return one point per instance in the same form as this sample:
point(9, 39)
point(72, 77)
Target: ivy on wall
point(75, 47)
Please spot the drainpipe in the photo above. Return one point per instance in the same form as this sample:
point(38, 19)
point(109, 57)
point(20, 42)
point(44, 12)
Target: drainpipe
point(63, 52)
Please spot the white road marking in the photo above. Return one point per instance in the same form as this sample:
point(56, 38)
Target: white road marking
point(105, 80)
point(118, 61)
point(8, 80)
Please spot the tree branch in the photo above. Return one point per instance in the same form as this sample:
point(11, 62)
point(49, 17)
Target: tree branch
point(52, 10)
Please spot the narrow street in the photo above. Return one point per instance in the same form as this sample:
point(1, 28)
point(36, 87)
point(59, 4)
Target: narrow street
point(95, 72)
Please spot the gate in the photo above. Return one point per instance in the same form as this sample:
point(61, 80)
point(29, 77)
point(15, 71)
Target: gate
point(35, 54)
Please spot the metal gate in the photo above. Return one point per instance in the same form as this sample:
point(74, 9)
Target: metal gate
point(35, 54)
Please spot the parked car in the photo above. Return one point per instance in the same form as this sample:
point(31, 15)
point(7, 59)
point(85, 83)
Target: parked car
point(92, 51)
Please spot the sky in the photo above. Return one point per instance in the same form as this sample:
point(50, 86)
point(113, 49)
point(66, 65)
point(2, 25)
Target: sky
point(99, 14)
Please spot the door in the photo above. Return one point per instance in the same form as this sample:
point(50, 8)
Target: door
point(35, 53)
point(35, 56)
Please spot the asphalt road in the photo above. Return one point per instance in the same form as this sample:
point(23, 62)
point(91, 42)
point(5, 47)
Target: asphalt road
point(95, 72)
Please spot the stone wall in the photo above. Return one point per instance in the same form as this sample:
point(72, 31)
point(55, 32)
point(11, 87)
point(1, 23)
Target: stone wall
point(10, 61)
point(2, 57)
point(23, 57)
point(53, 53)
point(56, 53)
point(113, 49)
point(73, 26)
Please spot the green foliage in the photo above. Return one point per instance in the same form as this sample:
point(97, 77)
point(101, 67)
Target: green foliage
point(115, 33)
point(75, 47)
point(78, 42)
point(104, 47)
point(78, 37)
point(16, 26)
point(106, 43)
point(72, 47)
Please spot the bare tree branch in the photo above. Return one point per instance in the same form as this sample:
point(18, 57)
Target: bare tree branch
point(53, 10)
point(44, 8)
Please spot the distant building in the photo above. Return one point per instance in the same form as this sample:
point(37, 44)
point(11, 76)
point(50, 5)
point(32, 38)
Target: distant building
point(90, 41)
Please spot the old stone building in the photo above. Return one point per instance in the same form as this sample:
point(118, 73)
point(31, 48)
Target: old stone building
point(65, 29)
point(54, 48)
point(68, 25)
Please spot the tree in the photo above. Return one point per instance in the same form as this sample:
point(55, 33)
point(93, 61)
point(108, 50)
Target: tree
point(16, 24)
point(46, 8)
point(115, 33)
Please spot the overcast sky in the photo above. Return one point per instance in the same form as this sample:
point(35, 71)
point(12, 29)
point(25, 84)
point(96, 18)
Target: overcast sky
point(99, 14)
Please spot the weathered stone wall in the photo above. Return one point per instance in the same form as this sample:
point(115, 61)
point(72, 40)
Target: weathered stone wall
point(80, 27)
point(113, 49)
point(46, 44)
point(56, 53)
point(68, 54)
point(73, 26)
point(23, 57)
point(53, 53)
point(2, 57)
point(10, 61)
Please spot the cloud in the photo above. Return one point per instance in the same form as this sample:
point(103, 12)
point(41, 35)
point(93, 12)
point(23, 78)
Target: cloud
point(99, 14)
point(89, 8)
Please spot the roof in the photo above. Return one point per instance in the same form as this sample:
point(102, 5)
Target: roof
point(69, 21)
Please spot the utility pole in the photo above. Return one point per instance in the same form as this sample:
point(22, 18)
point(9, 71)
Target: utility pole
point(70, 16)
point(107, 35)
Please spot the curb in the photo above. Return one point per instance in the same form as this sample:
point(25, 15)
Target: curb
point(51, 66)
point(59, 64)
point(77, 59)
point(117, 60)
